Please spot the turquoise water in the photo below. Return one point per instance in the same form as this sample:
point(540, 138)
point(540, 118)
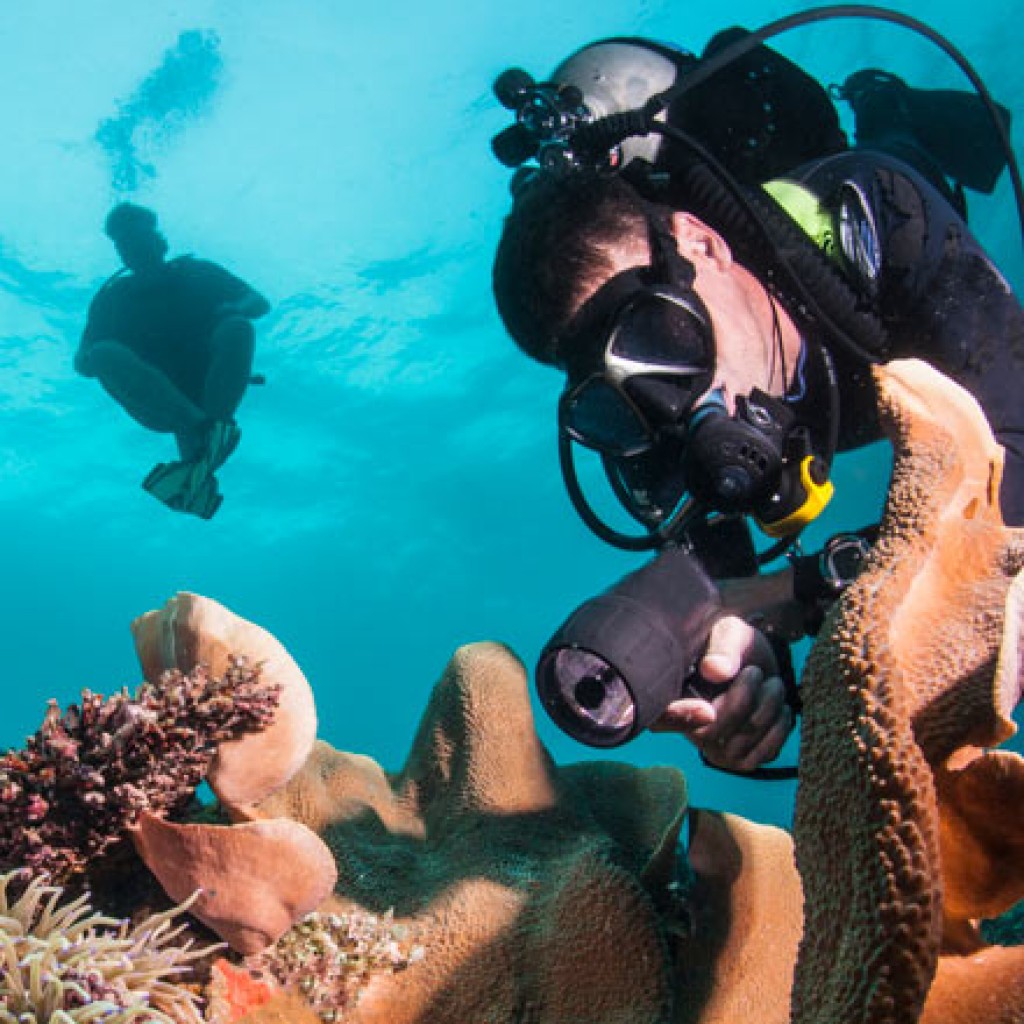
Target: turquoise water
point(396, 493)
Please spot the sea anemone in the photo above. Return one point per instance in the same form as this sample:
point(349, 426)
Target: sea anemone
point(329, 957)
point(63, 963)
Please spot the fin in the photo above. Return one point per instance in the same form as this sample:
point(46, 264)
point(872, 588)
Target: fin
point(185, 487)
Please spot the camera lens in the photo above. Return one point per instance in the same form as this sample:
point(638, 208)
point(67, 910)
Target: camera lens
point(588, 691)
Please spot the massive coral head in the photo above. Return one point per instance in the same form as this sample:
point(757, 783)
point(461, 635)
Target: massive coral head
point(916, 664)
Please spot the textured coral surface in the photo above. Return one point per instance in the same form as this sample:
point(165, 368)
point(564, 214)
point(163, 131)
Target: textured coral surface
point(523, 881)
point(907, 675)
point(544, 894)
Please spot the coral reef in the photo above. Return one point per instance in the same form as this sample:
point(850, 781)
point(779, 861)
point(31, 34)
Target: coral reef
point(61, 963)
point(257, 877)
point(191, 631)
point(916, 670)
point(542, 893)
point(88, 772)
point(484, 883)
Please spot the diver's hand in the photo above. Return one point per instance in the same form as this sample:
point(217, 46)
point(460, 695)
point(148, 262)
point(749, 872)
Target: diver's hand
point(747, 722)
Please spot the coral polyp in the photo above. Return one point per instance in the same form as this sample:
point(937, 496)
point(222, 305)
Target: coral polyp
point(62, 963)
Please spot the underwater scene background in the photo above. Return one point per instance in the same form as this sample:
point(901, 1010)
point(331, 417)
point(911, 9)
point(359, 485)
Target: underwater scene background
point(396, 493)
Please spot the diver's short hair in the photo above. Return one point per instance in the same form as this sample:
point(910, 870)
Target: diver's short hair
point(553, 245)
point(128, 219)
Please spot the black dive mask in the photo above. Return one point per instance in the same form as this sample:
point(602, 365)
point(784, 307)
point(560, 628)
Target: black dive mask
point(639, 356)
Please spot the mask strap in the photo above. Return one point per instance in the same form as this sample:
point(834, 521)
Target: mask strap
point(669, 266)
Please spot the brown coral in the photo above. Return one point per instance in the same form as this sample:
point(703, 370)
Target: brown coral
point(190, 631)
point(257, 877)
point(904, 677)
point(255, 880)
point(89, 771)
point(541, 894)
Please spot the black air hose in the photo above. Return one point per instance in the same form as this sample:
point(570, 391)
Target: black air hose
point(605, 134)
point(808, 284)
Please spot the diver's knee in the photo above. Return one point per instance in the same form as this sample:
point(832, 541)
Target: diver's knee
point(105, 359)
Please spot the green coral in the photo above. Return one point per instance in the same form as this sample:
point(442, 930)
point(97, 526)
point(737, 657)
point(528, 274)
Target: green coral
point(1007, 930)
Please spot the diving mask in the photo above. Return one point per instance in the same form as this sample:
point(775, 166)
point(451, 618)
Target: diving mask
point(639, 354)
point(640, 360)
point(654, 360)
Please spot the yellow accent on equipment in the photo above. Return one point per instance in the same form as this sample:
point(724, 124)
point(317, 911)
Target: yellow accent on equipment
point(806, 209)
point(817, 496)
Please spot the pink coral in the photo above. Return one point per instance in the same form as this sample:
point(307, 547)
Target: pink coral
point(89, 771)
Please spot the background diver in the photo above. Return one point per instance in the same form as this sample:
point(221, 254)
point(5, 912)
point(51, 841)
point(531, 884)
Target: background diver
point(715, 269)
point(171, 341)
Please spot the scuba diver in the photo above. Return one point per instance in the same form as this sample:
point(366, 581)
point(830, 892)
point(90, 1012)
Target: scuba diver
point(171, 341)
point(696, 246)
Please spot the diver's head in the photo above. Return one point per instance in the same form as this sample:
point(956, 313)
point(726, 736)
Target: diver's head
point(566, 241)
point(676, 357)
point(133, 230)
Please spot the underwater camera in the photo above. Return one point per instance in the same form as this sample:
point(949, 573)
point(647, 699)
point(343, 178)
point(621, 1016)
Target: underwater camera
point(622, 657)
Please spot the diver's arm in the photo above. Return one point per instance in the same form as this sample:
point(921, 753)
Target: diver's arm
point(251, 305)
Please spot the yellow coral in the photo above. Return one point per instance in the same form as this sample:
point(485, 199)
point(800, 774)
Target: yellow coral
point(62, 963)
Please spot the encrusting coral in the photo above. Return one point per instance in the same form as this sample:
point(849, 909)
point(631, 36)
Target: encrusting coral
point(905, 829)
point(61, 963)
point(87, 774)
point(329, 958)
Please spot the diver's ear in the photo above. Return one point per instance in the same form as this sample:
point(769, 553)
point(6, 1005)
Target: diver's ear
point(699, 242)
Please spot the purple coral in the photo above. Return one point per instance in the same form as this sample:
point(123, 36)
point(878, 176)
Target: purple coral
point(88, 772)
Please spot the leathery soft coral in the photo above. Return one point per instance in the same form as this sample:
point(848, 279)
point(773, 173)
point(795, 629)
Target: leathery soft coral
point(61, 963)
point(88, 772)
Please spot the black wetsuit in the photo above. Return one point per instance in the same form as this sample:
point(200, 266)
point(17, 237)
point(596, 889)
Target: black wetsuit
point(941, 300)
point(166, 318)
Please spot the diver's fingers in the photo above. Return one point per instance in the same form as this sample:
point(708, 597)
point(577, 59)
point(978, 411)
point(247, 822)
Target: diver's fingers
point(752, 708)
point(736, 706)
point(738, 756)
point(732, 644)
point(685, 715)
